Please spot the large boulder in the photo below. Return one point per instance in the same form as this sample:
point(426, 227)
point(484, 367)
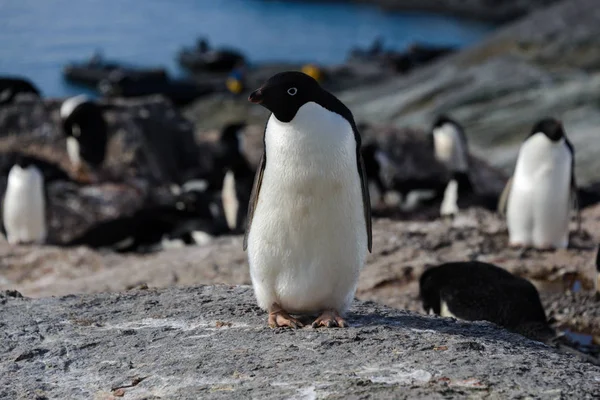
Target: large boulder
point(213, 342)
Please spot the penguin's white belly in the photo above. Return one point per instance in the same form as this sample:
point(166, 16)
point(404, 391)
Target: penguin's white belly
point(539, 202)
point(24, 213)
point(308, 240)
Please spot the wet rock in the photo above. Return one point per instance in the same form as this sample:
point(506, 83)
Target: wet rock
point(169, 344)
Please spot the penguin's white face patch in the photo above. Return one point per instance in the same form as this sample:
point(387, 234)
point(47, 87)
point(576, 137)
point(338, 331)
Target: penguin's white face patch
point(70, 104)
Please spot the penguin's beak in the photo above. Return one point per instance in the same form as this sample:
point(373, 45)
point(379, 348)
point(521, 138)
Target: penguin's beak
point(256, 97)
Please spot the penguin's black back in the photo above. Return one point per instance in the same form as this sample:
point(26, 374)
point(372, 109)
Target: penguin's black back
point(93, 136)
point(11, 87)
point(476, 291)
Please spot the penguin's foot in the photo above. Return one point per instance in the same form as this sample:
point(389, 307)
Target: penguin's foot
point(330, 319)
point(278, 317)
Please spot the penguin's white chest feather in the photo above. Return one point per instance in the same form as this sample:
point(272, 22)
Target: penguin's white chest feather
point(539, 201)
point(231, 204)
point(308, 239)
point(450, 148)
point(24, 208)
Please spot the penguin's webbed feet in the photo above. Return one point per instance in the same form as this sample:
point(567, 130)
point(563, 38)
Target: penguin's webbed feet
point(330, 319)
point(278, 317)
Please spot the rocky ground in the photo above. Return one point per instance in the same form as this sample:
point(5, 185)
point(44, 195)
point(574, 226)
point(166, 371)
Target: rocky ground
point(212, 342)
point(402, 250)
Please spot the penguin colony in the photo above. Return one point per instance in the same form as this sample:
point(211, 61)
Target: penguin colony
point(306, 208)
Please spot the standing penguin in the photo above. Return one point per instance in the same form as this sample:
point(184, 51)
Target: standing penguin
point(24, 205)
point(86, 132)
point(540, 195)
point(309, 221)
point(238, 179)
point(451, 149)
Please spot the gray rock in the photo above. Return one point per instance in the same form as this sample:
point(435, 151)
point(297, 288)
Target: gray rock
point(213, 342)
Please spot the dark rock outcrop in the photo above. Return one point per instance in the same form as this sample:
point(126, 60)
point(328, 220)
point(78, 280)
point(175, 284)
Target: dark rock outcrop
point(150, 147)
point(213, 342)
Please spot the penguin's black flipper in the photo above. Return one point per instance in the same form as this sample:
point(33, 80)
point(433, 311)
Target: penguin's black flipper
point(254, 196)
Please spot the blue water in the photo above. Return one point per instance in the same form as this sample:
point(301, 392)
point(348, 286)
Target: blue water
point(37, 37)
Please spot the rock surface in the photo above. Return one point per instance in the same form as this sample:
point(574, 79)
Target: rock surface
point(213, 342)
point(402, 250)
point(544, 64)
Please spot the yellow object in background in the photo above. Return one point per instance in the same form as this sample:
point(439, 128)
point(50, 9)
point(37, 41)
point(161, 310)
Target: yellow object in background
point(234, 85)
point(313, 71)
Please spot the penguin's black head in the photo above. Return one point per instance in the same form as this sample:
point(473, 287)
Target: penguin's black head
point(284, 93)
point(430, 285)
point(550, 127)
point(442, 120)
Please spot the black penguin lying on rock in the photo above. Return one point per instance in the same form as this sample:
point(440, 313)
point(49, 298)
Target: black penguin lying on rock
point(475, 291)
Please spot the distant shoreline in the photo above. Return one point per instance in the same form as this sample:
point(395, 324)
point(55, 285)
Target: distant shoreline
point(479, 10)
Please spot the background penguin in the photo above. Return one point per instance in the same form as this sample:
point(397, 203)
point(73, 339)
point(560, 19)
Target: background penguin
point(540, 195)
point(376, 163)
point(87, 134)
point(309, 223)
point(238, 178)
point(451, 148)
point(10, 88)
point(24, 204)
point(146, 229)
point(475, 291)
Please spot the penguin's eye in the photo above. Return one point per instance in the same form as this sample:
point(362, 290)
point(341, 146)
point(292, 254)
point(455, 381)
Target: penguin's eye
point(292, 91)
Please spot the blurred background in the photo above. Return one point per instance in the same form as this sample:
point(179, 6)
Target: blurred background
point(147, 177)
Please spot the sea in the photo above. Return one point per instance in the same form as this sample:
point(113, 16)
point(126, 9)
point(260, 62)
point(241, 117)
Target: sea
point(39, 37)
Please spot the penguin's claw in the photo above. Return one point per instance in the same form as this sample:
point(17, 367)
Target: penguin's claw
point(279, 318)
point(330, 319)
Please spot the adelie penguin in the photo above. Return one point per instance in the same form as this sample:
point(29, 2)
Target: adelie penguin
point(476, 291)
point(24, 204)
point(238, 178)
point(451, 149)
point(309, 222)
point(87, 134)
point(539, 197)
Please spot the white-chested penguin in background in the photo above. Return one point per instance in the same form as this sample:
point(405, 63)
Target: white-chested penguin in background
point(87, 134)
point(238, 179)
point(451, 149)
point(476, 291)
point(542, 191)
point(24, 204)
point(309, 222)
